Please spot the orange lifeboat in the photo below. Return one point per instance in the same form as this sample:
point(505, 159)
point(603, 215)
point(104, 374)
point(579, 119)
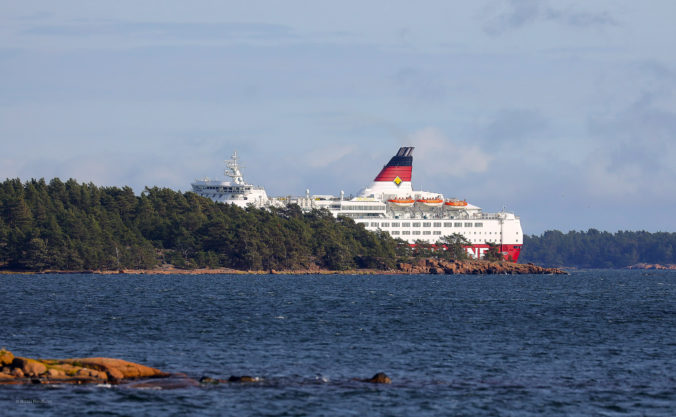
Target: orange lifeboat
point(430, 202)
point(401, 202)
point(455, 203)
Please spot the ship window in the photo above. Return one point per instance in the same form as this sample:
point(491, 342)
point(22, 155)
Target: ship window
point(405, 232)
point(394, 232)
point(374, 224)
point(385, 224)
point(437, 224)
point(416, 224)
point(458, 224)
point(406, 224)
point(437, 232)
point(427, 232)
point(478, 225)
point(448, 224)
point(395, 224)
point(427, 224)
point(416, 232)
point(468, 224)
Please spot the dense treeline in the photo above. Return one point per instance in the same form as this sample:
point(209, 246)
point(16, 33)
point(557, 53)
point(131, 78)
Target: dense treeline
point(595, 249)
point(72, 226)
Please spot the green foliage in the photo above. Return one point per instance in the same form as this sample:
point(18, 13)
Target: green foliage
point(595, 249)
point(493, 253)
point(71, 226)
point(455, 247)
point(422, 249)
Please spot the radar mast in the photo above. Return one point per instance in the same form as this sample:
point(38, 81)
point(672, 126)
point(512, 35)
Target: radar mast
point(233, 171)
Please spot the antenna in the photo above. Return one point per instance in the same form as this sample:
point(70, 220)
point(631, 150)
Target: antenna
point(233, 171)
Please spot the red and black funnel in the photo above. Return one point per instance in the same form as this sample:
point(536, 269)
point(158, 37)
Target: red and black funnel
point(400, 166)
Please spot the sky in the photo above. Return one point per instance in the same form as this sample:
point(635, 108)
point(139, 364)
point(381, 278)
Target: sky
point(563, 112)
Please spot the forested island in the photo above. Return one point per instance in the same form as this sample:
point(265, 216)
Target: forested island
point(596, 249)
point(71, 226)
point(68, 226)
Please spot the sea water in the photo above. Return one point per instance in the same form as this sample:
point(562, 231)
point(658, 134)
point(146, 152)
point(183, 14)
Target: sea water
point(590, 343)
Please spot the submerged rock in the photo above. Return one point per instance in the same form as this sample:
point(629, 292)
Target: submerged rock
point(379, 378)
point(243, 378)
point(208, 380)
point(174, 381)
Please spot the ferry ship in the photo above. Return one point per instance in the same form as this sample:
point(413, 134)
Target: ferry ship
point(390, 204)
point(236, 192)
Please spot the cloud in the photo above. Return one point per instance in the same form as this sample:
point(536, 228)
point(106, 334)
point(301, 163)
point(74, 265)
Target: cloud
point(443, 157)
point(35, 16)
point(638, 151)
point(514, 14)
point(514, 125)
point(103, 169)
point(167, 30)
point(325, 156)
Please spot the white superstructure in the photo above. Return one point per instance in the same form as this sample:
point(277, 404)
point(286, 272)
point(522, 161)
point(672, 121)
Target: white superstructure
point(392, 205)
point(236, 192)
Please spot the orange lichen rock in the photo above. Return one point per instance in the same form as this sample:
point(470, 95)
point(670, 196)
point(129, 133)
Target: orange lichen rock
point(18, 370)
point(116, 368)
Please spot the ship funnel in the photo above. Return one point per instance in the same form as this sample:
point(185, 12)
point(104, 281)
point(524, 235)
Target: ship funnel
point(399, 166)
point(395, 177)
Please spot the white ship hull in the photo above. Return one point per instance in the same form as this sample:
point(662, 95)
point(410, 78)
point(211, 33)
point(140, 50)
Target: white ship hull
point(426, 223)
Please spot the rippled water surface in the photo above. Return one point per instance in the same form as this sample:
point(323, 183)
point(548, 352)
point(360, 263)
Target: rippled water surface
point(591, 343)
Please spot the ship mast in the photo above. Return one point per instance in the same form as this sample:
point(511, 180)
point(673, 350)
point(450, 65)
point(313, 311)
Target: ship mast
point(233, 171)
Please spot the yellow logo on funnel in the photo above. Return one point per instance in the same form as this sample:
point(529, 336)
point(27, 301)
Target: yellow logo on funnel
point(397, 180)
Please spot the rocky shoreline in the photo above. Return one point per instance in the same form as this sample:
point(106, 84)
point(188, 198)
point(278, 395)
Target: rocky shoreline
point(16, 370)
point(421, 266)
point(474, 267)
point(19, 370)
point(671, 267)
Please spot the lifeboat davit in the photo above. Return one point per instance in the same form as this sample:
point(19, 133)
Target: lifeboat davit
point(455, 203)
point(401, 202)
point(430, 202)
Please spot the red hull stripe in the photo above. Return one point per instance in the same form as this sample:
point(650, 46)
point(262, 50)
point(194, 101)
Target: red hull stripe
point(389, 173)
point(510, 252)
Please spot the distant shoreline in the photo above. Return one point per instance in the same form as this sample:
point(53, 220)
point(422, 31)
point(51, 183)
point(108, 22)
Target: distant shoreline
point(170, 270)
point(421, 266)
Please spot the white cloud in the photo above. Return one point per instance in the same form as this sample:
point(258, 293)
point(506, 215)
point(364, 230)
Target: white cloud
point(438, 155)
point(508, 15)
point(602, 179)
point(325, 156)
